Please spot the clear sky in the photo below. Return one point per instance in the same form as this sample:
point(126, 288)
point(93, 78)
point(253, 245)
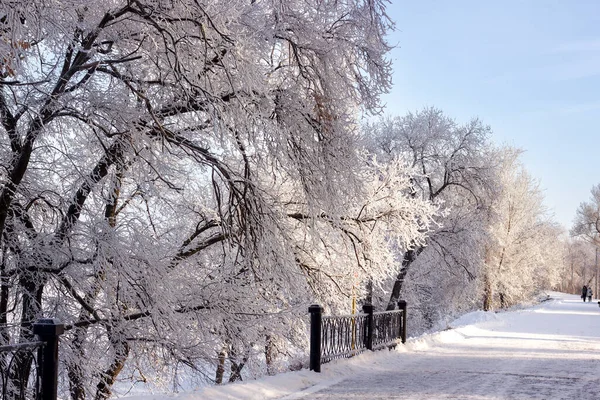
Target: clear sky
point(529, 69)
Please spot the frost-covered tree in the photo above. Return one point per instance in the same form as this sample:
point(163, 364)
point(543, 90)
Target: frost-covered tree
point(586, 227)
point(179, 178)
point(579, 264)
point(492, 237)
point(522, 255)
point(587, 218)
point(454, 172)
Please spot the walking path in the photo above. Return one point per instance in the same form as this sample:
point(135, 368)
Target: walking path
point(549, 351)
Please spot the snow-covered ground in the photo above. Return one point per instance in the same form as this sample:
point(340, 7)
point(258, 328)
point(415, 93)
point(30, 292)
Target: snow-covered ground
point(548, 351)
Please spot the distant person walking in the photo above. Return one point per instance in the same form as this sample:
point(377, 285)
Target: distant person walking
point(584, 292)
point(589, 293)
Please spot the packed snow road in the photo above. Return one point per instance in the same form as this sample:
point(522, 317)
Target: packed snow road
point(550, 351)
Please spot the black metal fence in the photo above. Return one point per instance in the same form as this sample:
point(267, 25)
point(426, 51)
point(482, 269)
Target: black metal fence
point(29, 371)
point(344, 336)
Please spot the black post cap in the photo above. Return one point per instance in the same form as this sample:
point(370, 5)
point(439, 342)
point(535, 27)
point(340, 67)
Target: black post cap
point(315, 308)
point(48, 327)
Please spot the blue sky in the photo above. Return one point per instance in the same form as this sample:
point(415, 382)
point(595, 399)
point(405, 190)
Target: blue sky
point(529, 69)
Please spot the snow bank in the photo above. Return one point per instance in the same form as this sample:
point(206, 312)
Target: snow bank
point(289, 385)
point(475, 317)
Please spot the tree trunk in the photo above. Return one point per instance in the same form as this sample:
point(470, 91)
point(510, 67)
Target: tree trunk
point(369, 288)
point(32, 289)
point(109, 376)
point(269, 354)
point(487, 294)
point(75, 372)
point(502, 300)
point(236, 367)
point(4, 293)
point(409, 257)
point(221, 366)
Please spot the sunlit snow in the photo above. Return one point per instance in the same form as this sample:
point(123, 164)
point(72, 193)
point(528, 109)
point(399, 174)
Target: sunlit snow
point(548, 351)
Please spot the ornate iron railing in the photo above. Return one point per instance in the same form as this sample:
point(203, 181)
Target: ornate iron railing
point(344, 336)
point(29, 371)
point(387, 327)
point(20, 371)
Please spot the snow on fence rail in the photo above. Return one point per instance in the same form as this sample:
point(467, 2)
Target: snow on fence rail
point(344, 336)
point(30, 370)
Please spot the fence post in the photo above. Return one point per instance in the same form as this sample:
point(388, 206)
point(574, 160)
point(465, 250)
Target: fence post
point(48, 330)
point(316, 312)
point(368, 309)
point(402, 306)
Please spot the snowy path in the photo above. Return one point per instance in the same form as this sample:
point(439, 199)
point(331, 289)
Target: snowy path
point(550, 351)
